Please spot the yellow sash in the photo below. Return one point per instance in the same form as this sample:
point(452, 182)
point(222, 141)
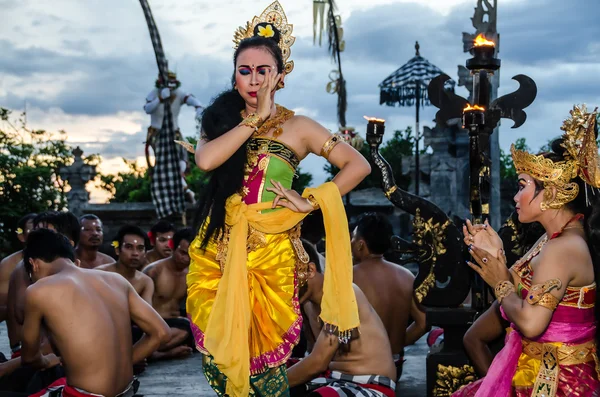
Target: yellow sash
point(226, 334)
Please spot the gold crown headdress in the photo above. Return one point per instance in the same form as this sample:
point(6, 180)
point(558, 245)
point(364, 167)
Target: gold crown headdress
point(272, 16)
point(580, 159)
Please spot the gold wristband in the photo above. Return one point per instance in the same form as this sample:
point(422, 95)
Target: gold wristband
point(253, 120)
point(311, 199)
point(503, 289)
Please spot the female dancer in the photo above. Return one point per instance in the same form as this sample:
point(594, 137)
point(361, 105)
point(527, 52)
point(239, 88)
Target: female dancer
point(248, 261)
point(549, 295)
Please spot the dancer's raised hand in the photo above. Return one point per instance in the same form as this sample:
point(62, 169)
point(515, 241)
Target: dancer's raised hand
point(264, 94)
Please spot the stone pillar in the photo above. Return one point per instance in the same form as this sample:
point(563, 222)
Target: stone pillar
point(77, 175)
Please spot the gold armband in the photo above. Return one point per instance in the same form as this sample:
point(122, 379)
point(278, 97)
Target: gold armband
point(540, 295)
point(252, 120)
point(503, 289)
point(330, 144)
point(311, 199)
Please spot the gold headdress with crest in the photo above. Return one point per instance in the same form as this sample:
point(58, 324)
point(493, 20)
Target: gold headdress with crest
point(580, 160)
point(272, 16)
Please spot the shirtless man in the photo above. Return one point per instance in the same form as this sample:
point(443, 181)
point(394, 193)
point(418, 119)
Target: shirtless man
point(364, 367)
point(387, 286)
point(170, 288)
point(91, 239)
point(8, 264)
point(97, 353)
point(160, 234)
point(131, 249)
point(64, 223)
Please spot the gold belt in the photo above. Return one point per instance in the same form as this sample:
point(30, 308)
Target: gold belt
point(551, 357)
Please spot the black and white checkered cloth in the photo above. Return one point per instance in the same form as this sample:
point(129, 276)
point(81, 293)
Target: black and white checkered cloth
point(166, 187)
point(352, 385)
point(400, 87)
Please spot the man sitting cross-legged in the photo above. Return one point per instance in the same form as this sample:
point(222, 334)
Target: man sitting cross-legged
point(92, 235)
point(160, 236)
point(130, 246)
point(169, 276)
point(96, 353)
point(364, 367)
point(387, 286)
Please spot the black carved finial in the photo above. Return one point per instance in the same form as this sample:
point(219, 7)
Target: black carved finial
point(417, 46)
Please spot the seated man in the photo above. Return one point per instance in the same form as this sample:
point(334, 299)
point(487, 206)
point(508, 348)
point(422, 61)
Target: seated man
point(160, 235)
point(364, 367)
point(8, 264)
point(387, 286)
point(96, 353)
point(91, 239)
point(130, 246)
point(170, 288)
point(64, 223)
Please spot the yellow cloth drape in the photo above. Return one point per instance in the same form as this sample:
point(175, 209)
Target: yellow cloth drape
point(226, 334)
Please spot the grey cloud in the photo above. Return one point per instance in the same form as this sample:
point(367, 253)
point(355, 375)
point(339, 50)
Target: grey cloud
point(82, 46)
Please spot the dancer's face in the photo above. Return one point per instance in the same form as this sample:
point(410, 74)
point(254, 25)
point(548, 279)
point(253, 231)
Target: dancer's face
point(527, 203)
point(250, 70)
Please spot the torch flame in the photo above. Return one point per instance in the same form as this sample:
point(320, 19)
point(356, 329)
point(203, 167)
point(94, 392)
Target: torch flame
point(474, 107)
point(480, 40)
point(374, 119)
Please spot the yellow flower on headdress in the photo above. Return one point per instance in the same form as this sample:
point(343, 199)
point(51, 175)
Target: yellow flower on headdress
point(266, 31)
point(19, 231)
point(115, 244)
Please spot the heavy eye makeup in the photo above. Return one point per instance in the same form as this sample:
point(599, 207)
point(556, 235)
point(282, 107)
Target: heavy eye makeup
point(521, 184)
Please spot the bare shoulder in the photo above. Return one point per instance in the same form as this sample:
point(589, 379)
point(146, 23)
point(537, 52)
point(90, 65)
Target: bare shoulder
point(109, 267)
point(361, 298)
point(569, 249)
point(143, 277)
point(306, 125)
point(106, 259)
point(11, 261)
point(401, 271)
point(18, 273)
point(154, 268)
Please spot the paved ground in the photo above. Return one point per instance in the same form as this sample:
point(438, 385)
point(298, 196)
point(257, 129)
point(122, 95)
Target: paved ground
point(184, 377)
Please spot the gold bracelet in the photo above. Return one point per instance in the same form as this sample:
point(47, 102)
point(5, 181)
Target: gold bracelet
point(503, 289)
point(313, 201)
point(253, 120)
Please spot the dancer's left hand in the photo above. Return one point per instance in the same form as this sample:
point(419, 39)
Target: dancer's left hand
point(491, 269)
point(289, 198)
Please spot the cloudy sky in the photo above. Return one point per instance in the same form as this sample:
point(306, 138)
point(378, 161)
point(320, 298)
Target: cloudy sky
point(86, 66)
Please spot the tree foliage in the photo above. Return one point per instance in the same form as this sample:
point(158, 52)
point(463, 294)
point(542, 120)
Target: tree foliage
point(30, 162)
point(399, 146)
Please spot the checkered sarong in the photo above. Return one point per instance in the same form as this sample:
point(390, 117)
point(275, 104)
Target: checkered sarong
point(352, 385)
point(166, 187)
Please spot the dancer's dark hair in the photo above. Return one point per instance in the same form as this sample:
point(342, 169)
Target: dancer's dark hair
point(221, 116)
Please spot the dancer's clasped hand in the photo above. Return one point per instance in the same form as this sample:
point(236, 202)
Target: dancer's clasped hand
point(482, 236)
point(289, 198)
point(492, 269)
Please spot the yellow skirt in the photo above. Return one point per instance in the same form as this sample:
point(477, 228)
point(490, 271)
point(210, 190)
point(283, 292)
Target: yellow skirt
point(276, 322)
